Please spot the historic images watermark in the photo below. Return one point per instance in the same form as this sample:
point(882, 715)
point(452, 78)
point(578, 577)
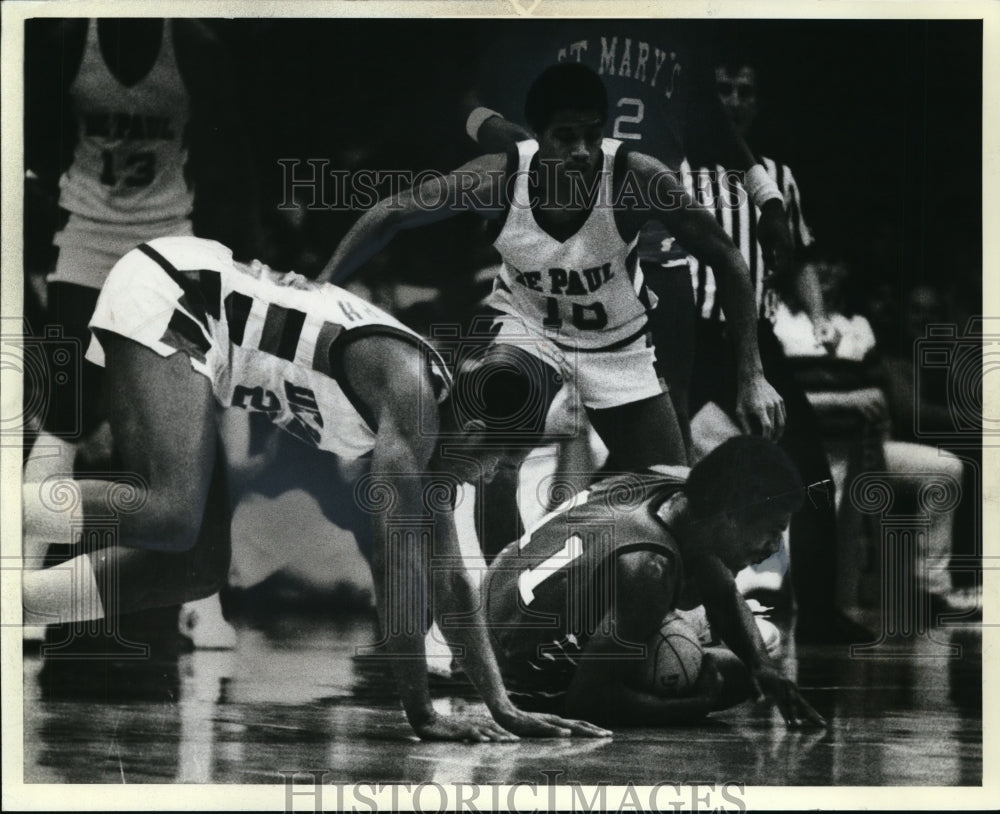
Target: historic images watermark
point(309, 790)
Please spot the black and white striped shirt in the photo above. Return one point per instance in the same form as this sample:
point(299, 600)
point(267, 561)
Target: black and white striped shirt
point(721, 191)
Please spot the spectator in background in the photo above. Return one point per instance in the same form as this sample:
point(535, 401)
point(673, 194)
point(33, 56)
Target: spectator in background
point(926, 406)
point(845, 376)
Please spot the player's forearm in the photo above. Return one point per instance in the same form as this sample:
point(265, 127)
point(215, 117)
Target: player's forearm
point(370, 234)
point(460, 618)
point(497, 134)
point(730, 617)
point(399, 577)
point(738, 304)
point(400, 599)
point(810, 294)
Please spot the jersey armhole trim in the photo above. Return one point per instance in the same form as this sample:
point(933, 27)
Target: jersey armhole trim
point(507, 187)
point(619, 170)
point(337, 371)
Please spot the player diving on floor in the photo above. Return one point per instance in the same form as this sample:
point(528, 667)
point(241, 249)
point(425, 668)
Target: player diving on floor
point(582, 609)
point(184, 330)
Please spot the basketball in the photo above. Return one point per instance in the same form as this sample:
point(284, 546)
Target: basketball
point(673, 659)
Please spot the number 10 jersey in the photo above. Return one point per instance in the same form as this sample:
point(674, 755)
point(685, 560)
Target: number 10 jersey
point(583, 293)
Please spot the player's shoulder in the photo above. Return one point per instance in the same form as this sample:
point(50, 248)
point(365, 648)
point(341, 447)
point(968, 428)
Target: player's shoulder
point(633, 488)
point(387, 364)
point(645, 570)
point(642, 164)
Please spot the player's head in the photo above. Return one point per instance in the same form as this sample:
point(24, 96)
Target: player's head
point(495, 412)
point(742, 496)
point(567, 106)
point(736, 85)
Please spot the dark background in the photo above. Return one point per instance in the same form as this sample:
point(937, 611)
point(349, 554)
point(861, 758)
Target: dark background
point(880, 121)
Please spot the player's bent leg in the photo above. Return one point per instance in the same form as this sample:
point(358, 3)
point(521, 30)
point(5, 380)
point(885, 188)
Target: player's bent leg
point(163, 421)
point(640, 434)
point(117, 579)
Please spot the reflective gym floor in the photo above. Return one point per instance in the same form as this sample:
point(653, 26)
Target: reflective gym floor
point(295, 696)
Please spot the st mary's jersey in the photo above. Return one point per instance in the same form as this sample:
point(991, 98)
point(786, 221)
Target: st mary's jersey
point(546, 594)
point(586, 292)
point(267, 342)
point(128, 165)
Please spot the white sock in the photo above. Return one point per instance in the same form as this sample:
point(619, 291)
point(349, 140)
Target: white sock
point(49, 456)
point(64, 593)
point(48, 513)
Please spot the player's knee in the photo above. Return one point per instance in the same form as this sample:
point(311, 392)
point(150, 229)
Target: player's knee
point(205, 584)
point(165, 526)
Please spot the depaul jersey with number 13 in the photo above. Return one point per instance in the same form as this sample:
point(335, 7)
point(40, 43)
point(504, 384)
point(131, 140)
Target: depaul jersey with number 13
point(267, 342)
point(128, 166)
point(586, 292)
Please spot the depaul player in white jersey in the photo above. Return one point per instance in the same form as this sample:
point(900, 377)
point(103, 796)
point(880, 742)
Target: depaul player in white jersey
point(570, 291)
point(182, 329)
point(135, 123)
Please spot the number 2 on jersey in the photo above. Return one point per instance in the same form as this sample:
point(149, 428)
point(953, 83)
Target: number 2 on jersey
point(634, 111)
point(531, 578)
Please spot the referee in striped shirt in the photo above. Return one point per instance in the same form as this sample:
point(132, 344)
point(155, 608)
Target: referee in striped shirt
point(813, 530)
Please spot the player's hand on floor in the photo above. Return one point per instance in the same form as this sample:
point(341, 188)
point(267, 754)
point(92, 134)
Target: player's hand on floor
point(542, 725)
point(785, 694)
point(760, 409)
point(454, 728)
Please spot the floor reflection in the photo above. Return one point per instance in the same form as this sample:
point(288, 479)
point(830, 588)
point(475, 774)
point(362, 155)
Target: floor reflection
point(297, 698)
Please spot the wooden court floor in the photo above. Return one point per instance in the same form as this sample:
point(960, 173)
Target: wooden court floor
point(294, 696)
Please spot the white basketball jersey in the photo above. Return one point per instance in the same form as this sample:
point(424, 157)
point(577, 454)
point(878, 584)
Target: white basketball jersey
point(586, 292)
point(128, 165)
point(268, 342)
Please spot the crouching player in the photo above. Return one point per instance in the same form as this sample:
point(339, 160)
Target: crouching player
point(182, 330)
point(573, 603)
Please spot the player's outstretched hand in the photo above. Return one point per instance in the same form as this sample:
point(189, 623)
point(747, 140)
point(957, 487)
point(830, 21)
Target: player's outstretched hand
point(783, 691)
point(454, 728)
point(541, 725)
point(760, 409)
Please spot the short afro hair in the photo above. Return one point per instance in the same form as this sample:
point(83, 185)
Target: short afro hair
point(746, 476)
point(507, 389)
point(566, 86)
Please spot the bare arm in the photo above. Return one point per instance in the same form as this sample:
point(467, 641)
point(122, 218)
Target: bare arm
point(609, 665)
point(733, 622)
point(474, 186)
point(390, 376)
point(759, 407)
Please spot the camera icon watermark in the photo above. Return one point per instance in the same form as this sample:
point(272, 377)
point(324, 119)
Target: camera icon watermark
point(50, 366)
point(949, 373)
